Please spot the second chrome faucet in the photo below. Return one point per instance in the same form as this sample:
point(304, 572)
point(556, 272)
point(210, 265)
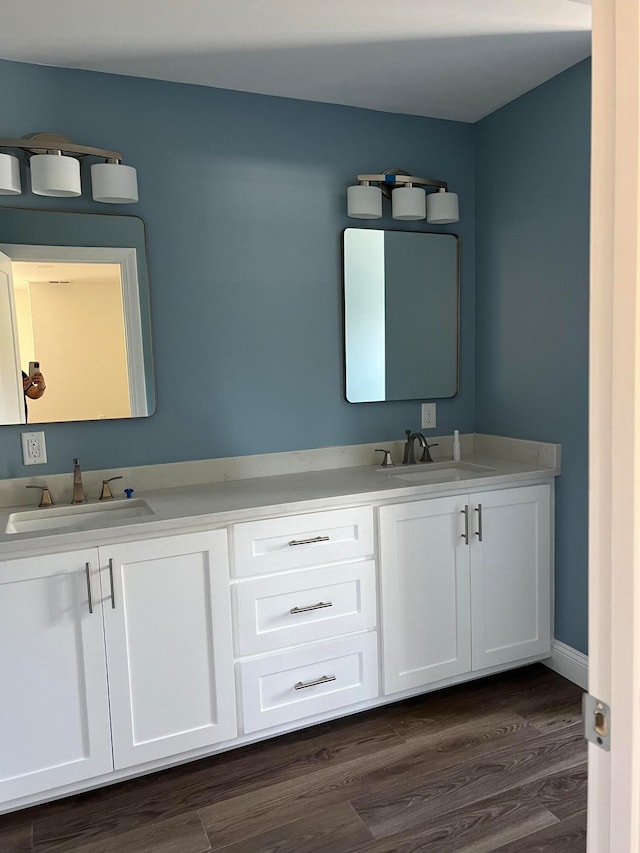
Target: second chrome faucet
point(78, 496)
point(409, 448)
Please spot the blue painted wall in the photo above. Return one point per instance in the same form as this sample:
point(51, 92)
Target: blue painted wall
point(244, 201)
point(532, 252)
point(243, 198)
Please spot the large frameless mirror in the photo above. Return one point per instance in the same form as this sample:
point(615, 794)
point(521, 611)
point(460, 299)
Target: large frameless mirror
point(74, 300)
point(401, 314)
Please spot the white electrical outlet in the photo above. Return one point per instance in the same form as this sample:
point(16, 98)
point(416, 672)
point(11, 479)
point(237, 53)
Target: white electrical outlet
point(428, 416)
point(34, 450)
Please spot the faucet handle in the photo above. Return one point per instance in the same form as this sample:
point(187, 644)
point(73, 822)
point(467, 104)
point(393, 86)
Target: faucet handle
point(106, 493)
point(426, 456)
point(45, 495)
point(387, 461)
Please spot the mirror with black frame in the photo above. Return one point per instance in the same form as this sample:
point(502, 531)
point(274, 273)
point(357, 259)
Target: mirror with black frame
point(401, 314)
point(75, 320)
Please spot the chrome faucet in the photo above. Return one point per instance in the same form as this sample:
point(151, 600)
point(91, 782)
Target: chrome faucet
point(78, 488)
point(409, 448)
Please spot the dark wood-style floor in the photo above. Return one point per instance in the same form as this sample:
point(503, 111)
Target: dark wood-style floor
point(498, 764)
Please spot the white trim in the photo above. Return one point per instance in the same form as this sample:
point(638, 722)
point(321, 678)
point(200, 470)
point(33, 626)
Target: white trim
point(133, 332)
point(614, 425)
point(126, 258)
point(569, 663)
point(11, 391)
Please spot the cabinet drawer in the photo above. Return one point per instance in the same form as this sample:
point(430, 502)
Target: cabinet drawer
point(293, 685)
point(279, 544)
point(301, 607)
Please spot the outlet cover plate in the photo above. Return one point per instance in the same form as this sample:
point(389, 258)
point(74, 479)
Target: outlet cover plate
point(34, 449)
point(428, 416)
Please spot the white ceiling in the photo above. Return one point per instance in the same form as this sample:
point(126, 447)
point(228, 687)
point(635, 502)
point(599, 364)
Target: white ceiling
point(454, 59)
point(26, 272)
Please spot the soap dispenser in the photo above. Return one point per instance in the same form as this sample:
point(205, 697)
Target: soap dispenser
point(456, 445)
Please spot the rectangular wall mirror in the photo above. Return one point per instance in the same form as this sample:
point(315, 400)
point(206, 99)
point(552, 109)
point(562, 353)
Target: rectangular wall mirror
point(401, 314)
point(74, 296)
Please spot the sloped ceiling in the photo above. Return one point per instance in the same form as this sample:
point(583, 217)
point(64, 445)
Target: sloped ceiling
point(452, 59)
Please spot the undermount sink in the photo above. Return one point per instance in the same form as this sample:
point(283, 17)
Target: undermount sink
point(78, 517)
point(437, 472)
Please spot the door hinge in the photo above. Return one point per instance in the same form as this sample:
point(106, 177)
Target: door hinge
point(597, 721)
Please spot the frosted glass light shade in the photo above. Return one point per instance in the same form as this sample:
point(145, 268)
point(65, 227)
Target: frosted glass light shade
point(364, 202)
point(55, 175)
point(114, 183)
point(408, 203)
point(442, 208)
point(9, 175)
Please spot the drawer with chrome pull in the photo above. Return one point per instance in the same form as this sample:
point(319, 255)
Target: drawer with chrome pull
point(301, 607)
point(299, 541)
point(289, 686)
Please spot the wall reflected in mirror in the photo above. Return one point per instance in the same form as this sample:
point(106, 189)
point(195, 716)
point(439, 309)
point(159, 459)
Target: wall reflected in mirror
point(80, 307)
point(401, 315)
point(63, 313)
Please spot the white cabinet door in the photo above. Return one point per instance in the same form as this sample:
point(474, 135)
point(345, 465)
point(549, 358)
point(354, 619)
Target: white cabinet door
point(425, 592)
point(54, 713)
point(449, 608)
point(168, 633)
point(510, 575)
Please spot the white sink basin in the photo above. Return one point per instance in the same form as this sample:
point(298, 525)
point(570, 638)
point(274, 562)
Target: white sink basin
point(438, 472)
point(77, 517)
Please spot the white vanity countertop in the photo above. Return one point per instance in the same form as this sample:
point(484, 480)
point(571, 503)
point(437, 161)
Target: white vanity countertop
point(187, 508)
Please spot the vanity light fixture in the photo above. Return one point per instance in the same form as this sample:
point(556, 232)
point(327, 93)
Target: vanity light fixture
point(408, 194)
point(55, 169)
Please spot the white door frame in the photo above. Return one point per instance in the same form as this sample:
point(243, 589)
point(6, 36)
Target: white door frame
point(11, 391)
point(614, 425)
point(126, 259)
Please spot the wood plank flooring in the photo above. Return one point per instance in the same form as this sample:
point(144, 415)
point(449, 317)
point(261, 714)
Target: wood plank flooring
point(494, 765)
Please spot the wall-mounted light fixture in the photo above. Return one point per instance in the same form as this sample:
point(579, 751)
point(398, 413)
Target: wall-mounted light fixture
point(408, 194)
point(55, 169)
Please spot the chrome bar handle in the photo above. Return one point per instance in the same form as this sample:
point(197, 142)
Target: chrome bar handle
point(87, 568)
point(465, 535)
point(113, 592)
point(479, 530)
point(309, 541)
point(306, 609)
point(325, 679)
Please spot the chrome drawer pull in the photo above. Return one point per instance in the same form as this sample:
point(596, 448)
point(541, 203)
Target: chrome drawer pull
point(465, 535)
point(325, 679)
point(479, 530)
point(306, 609)
point(309, 541)
point(87, 568)
point(113, 592)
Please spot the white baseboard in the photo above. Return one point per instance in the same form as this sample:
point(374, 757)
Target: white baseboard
point(570, 663)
